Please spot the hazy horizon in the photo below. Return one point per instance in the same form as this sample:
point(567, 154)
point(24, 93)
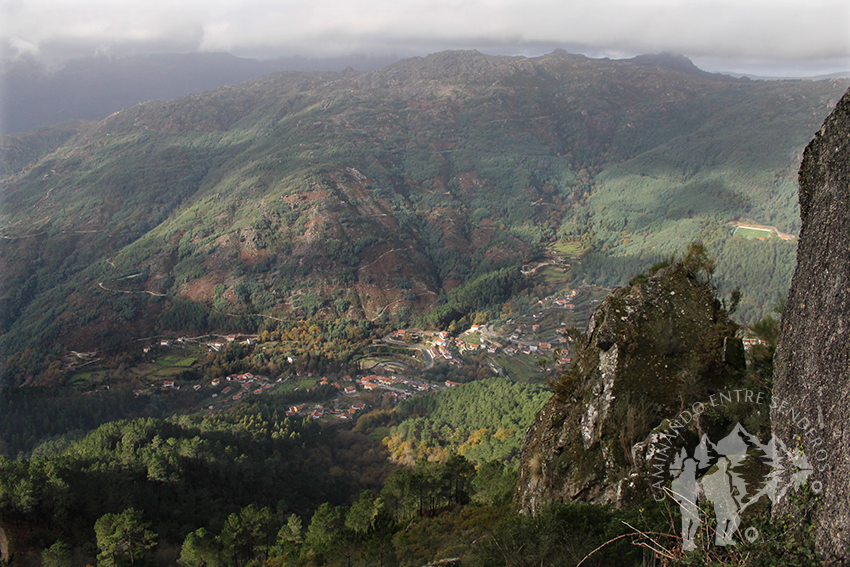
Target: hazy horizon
point(763, 38)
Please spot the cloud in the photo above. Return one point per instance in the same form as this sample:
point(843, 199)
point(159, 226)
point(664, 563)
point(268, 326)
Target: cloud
point(749, 29)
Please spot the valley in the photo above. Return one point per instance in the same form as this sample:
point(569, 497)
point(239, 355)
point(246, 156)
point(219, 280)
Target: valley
point(514, 346)
point(378, 195)
point(356, 318)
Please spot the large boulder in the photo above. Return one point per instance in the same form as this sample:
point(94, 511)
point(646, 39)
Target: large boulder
point(812, 363)
point(650, 349)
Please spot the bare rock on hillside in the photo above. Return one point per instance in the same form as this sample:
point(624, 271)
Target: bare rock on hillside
point(648, 349)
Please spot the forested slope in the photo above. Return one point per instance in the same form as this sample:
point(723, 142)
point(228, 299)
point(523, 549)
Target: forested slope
point(483, 421)
point(353, 196)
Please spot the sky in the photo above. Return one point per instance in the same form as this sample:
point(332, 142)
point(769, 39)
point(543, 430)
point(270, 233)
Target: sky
point(761, 37)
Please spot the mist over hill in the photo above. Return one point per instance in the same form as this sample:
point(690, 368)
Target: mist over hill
point(352, 196)
point(93, 88)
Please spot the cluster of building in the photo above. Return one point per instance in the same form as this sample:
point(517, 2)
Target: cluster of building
point(566, 302)
point(484, 342)
point(166, 343)
point(440, 347)
point(409, 335)
point(531, 347)
point(218, 345)
point(215, 345)
point(244, 383)
point(442, 344)
point(373, 382)
point(398, 388)
point(319, 411)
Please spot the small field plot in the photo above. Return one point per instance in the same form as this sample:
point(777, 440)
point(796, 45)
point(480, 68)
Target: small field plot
point(287, 386)
point(752, 232)
point(164, 368)
point(167, 373)
point(552, 275)
point(177, 361)
point(571, 249)
point(472, 338)
point(520, 368)
point(86, 379)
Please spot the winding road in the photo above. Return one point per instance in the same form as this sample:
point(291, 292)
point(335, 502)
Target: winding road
point(429, 360)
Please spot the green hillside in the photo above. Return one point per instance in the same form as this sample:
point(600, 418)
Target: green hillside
point(369, 196)
point(484, 421)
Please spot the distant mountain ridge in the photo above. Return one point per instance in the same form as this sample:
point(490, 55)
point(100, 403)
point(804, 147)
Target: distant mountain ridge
point(678, 62)
point(92, 88)
point(371, 195)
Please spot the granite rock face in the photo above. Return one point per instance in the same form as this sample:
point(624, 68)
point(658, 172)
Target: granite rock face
point(812, 363)
point(647, 350)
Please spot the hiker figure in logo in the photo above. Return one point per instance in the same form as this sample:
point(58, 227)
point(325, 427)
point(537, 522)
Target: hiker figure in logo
point(717, 487)
point(685, 491)
point(725, 484)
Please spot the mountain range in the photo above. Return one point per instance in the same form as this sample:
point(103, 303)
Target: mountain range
point(373, 195)
point(35, 93)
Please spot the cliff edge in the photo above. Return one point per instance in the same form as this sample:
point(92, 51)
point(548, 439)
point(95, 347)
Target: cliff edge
point(812, 363)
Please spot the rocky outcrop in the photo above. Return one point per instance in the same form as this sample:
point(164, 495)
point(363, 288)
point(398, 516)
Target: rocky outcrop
point(650, 350)
point(812, 364)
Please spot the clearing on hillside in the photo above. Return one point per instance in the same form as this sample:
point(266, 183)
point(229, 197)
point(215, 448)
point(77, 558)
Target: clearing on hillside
point(751, 232)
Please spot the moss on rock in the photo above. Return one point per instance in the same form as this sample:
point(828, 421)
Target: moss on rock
point(649, 350)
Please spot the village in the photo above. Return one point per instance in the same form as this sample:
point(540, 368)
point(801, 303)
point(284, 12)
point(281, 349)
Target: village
point(523, 346)
point(342, 407)
point(388, 373)
point(383, 384)
point(514, 337)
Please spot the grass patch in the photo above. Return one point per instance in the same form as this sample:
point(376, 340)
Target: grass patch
point(86, 378)
point(570, 248)
point(165, 373)
point(472, 338)
point(175, 360)
point(379, 433)
point(368, 363)
point(551, 275)
point(520, 368)
point(80, 378)
point(287, 386)
point(748, 232)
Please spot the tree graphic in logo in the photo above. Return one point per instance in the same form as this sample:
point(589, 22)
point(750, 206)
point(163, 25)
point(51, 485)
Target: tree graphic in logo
point(719, 473)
